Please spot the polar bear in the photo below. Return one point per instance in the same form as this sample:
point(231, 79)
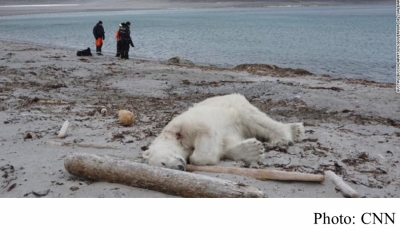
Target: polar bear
point(222, 127)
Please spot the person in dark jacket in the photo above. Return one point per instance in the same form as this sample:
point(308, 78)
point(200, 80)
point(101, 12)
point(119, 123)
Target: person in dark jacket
point(98, 32)
point(125, 36)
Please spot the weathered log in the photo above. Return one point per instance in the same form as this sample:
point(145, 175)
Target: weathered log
point(260, 174)
point(155, 178)
point(345, 189)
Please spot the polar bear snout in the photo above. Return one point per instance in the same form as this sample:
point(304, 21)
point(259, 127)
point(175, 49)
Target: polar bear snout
point(181, 168)
point(177, 164)
point(165, 159)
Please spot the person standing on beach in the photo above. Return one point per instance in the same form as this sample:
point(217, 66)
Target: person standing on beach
point(125, 35)
point(98, 32)
point(118, 40)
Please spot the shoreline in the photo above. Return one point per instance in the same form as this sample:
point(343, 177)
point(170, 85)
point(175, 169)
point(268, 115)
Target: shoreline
point(352, 127)
point(268, 70)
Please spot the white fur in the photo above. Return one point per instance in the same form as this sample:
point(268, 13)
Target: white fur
point(217, 128)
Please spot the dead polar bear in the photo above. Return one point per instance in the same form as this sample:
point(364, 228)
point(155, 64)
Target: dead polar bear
point(217, 128)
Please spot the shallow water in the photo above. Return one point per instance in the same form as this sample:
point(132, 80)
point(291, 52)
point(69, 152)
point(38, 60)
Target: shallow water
point(357, 42)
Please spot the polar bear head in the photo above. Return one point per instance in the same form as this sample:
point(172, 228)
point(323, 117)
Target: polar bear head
point(165, 154)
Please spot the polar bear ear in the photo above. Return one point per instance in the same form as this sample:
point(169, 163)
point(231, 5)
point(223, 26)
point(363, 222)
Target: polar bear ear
point(146, 154)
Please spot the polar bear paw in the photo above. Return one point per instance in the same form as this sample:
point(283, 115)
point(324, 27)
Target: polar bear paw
point(292, 133)
point(298, 132)
point(281, 143)
point(250, 150)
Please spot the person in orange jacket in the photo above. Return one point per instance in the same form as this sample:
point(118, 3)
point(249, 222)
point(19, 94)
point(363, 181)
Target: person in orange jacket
point(118, 37)
point(98, 32)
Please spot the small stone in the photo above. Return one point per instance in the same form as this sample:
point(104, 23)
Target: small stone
point(27, 135)
point(41, 193)
point(185, 82)
point(126, 117)
point(103, 111)
point(74, 188)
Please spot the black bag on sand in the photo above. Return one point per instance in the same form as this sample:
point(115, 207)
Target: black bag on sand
point(85, 52)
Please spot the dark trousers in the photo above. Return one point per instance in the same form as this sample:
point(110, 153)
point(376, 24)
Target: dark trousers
point(98, 49)
point(99, 44)
point(124, 48)
point(118, 48)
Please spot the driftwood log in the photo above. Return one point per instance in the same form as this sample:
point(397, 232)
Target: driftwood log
point(155, 178)
point(260, 174)
point(345, 189)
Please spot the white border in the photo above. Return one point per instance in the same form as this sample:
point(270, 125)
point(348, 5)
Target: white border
point(192, 219)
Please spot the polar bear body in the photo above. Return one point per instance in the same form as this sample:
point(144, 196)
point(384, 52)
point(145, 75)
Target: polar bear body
point(217, 128)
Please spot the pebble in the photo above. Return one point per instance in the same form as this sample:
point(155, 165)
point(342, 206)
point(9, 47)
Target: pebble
point(74, 188)
point(41, 193)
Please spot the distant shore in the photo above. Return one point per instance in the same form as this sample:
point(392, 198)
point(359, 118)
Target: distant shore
point(10, 8)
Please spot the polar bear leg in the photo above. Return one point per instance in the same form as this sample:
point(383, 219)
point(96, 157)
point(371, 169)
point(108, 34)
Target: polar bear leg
point(277, 133)
point(207, 150)
point(250, 150)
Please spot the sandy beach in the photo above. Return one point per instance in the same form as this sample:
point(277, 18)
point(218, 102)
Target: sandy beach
point(352, 126)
